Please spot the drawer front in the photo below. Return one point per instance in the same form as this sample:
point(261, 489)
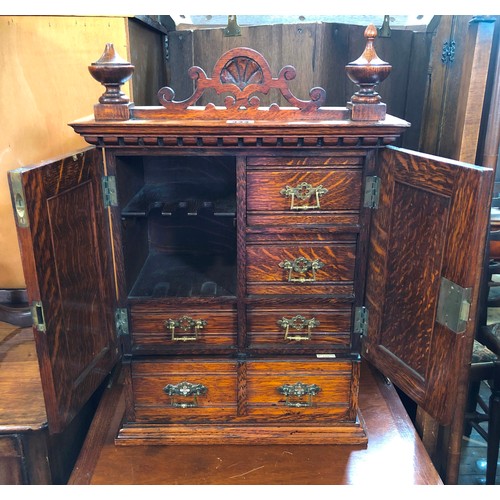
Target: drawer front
point(301, 268)
point(301, 190)
point(296, 327)
point(181, 328)
point(300, 391)
point(11, 460)
point(184, 391)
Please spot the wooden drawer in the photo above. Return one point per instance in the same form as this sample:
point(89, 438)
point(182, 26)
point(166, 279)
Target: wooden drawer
point(304, 190)
point(330, 383)
point(297, 327)
point(301, 268)
point(158, 329)
point(184, 391)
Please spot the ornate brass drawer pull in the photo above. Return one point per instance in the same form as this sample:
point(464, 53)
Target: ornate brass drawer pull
point(299, 395)
point(303, 192)
point(184, 390)
point(298, 323)
point(186, 324)
point(302, 267)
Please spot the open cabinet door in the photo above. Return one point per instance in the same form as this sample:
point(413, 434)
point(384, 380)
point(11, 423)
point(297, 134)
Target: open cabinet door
point(64, 241)
point(426, 254)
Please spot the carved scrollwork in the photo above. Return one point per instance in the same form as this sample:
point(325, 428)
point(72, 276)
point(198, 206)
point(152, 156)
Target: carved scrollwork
point(242, 72)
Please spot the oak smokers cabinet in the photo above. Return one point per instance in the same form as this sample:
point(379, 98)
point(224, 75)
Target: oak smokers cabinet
point(238, 260)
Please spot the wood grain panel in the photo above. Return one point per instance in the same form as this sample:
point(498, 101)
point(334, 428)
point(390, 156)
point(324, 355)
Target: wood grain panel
point(334, 329)
point(68, 269)
point(430, 224)
point(333, 401)
point(413, 265)
point(151, 404)
point(148, 329)
point(263, 267)
point(265, 190)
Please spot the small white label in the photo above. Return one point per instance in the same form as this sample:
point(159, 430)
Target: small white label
point(240, 121)
point(327, 355)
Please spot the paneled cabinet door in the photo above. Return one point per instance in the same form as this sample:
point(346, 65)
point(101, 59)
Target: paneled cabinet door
point(64, 240)
point(426, 254)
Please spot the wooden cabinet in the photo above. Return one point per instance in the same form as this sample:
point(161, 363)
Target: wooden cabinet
point(238, 260)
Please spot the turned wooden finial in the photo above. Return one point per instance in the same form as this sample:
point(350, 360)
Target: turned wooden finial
point(112, 71)
point(367, 72)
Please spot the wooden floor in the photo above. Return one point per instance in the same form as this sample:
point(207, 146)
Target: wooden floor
point(473, 461)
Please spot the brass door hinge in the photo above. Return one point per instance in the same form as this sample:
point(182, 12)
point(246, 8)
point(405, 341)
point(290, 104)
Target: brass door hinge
point(121, 322)
point(110, 198)
point(453, 306)
point(361, 320)
point(372, 192)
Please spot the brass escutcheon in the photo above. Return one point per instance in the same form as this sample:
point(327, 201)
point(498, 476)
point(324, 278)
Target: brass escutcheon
point(299, 323)
point(303, 192)
point(299, 395)
point(186, 324)
point(300, 267)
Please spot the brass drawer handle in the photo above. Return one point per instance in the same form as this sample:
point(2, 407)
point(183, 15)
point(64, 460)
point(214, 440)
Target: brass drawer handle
point(301, 267)
point(298, 323)
point(186, 390)
point(299, 395)
point(186, 324)
point(303, 192)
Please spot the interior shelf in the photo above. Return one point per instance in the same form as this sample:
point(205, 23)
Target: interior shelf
point(184, 275)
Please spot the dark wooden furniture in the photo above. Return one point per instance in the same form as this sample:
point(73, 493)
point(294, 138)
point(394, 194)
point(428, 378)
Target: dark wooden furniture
point(14, 307)
point(239, 259)
point(29, 453)
point(23, 422)
point(395, 454)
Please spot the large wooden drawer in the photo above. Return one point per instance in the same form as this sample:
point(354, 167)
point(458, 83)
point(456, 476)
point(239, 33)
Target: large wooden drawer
point(168, 329)
point(304, 190)
point(302, 390)
point(184, 391)
point(325, 267)
point(298, 327)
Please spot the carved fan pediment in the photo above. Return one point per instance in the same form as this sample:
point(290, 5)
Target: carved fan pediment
point(242, 72)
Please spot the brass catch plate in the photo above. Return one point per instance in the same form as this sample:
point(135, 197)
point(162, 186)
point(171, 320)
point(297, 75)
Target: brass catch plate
point(453, 306)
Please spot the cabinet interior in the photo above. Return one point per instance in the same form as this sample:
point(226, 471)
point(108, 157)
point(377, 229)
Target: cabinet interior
point(178, 224)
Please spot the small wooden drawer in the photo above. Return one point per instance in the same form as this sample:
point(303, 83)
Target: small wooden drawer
point(302, 390)
point(170, 329)
point(303, 190)
point(184, 391)
point(301, 268)
point(297, 327)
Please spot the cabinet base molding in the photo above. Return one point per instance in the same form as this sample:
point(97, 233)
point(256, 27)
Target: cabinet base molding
point(348, 433)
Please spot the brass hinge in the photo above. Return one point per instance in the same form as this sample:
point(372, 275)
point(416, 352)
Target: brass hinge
point(109, 195)
point(232, 28)
point(372, 192)
point(38, 316)
point(121, 322)
point(19, 198)
point(453, 306)
point(361, 320)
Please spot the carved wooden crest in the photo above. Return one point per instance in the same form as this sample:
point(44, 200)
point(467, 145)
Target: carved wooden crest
point(243, 73)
